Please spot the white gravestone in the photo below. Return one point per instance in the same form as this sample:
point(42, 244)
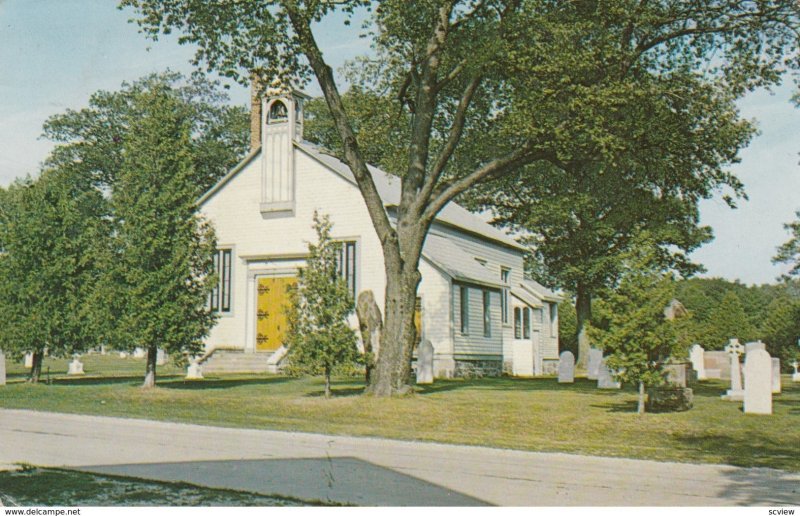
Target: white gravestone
point(161, 357)
point(593, 367)
point(795, 375)
point(697, 357)
point(425, 363)
point(735, 393)
point(122, 354)
point(28, 360)
point(604, 378)
point(776, 375)
point(754, 345)
point(75, 367)
point(566, 367)
point(2, 368)
point(757, 382)
point(139, 353)
point(194, 371)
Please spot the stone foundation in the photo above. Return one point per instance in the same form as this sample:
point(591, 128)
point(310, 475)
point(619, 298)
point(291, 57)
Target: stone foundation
point(550, 367)
point(478, 368)
point(669, 399)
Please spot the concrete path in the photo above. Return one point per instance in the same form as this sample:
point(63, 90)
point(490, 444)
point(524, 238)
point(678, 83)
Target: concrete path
point(368, 471)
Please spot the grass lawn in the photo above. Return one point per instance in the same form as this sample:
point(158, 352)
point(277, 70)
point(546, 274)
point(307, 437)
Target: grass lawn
point(56, 487)
point(526, 414)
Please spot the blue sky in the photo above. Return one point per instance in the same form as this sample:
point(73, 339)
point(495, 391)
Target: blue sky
point(55, 53)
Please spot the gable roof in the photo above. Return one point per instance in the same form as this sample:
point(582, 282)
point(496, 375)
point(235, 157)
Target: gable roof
point(448, 257)
point(540, 291)
point(389, 189)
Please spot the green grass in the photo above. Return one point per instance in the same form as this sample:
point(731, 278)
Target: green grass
point(525, 414)
point(56, 487)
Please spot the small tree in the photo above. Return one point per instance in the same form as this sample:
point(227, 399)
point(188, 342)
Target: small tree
point(320, 338)
point(633, 330)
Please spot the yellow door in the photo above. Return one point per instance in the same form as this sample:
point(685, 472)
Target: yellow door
point(273, 301)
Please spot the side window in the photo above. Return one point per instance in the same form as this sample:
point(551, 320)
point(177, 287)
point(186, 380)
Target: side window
point(221, 293)
point(346, 265)
point(517, 323)
point(464, 309)
point(487, 314)
point(526, 323)
point(505, 278)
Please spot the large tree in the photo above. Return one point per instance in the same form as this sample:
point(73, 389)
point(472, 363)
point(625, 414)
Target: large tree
point(89, 140)
point(498, 71)
point(789, 251)
point(668, 147)
point(52, 232)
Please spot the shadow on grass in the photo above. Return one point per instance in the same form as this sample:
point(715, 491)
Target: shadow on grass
point(224, 383)
point(751, 451)
point(342, 392)
point(581, 385)
point(109, 380)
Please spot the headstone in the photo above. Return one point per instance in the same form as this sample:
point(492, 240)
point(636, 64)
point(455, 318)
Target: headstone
point(139, 353)
point(717, 364)
point(2, 368)
point(757, 382)
point(604, 378)
point(123, 354)
point(194, 371)
point(677, 374)
point(754, 345)
point(593, 366)
point(370, 325)
point(28, 360)
point(75, 367)
point(161, 357)
point(102, 349)
point(425, 363)
point(566, 367)
point(776, 375)
point(795, 375)
point(697, 357)
point(735, 393)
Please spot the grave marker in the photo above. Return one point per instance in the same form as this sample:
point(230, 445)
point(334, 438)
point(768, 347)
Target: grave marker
point(697, 357)
point(425, 363)
point(757, 382)
point(735, 393)
point(604, 378)
point(566, 367)
point(593, 367)
point(776, 375)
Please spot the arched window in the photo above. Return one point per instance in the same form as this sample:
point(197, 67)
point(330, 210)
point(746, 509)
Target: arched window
point(277, 113)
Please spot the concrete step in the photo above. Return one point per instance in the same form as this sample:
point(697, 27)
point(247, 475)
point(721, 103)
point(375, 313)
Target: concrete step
point(225, 361)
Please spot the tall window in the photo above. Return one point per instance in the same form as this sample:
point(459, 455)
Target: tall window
point(221, 293)
point(526, 323)
point(487, 314)
point(346, 265)
point(505, 275)
point(464, 309)
point(517, 322)
point(553, 317)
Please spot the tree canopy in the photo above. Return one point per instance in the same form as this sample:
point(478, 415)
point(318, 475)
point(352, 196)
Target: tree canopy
point(530, 78)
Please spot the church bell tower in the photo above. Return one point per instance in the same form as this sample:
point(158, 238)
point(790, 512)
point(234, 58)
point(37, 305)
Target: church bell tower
point(281, 126)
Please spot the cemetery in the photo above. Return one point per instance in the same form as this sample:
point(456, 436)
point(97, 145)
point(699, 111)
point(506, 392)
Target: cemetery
point(587, 416)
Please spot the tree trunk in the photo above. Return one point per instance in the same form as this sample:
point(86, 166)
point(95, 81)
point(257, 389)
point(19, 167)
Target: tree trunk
point(583, 309)
point(36, 368)
point(150, 372)
point(640, 407)
point(327, 382)
point(392, 373)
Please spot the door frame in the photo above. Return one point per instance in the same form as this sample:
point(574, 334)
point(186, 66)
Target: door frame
point(252, 310)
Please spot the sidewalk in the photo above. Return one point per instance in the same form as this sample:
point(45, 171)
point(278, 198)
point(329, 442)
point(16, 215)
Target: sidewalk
point(368, 471)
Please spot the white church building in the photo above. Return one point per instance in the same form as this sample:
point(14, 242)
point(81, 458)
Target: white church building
point(474, 304)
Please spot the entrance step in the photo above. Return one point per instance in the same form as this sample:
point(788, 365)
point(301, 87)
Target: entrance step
point(234, 361)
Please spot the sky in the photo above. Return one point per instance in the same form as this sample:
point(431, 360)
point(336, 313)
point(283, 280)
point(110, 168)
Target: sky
point(55, 53)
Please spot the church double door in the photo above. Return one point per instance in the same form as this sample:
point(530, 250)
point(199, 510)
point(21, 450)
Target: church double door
point(271, 309)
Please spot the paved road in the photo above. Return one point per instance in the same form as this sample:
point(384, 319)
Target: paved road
point(368, 471)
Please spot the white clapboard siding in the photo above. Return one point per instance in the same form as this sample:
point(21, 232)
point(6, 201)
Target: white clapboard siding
point(474, 342)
